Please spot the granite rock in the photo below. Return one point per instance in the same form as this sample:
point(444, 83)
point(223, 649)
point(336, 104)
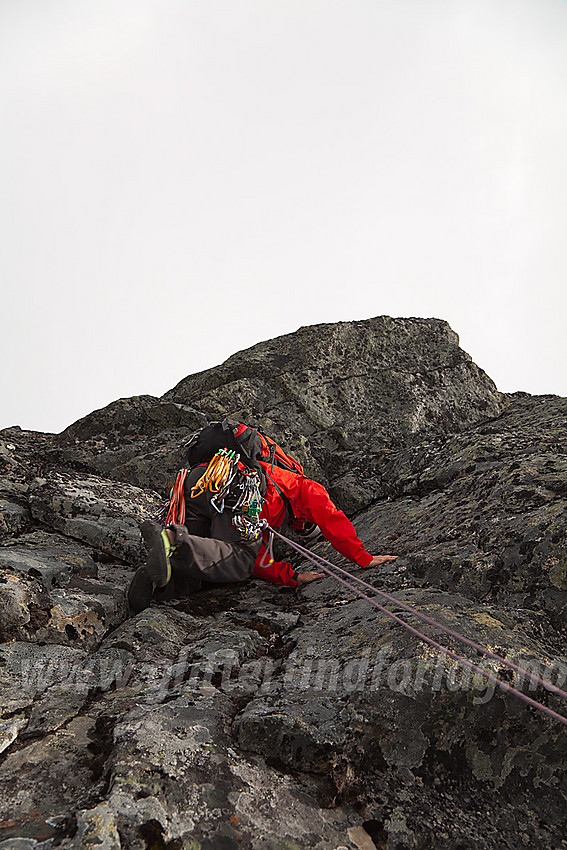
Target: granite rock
point(254, 716)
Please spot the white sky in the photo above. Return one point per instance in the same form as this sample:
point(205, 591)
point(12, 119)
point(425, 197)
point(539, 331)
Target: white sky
point(181, 179)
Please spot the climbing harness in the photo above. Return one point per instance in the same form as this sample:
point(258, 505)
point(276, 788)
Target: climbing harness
point(324, 564)
point(238, 457)
point(231, 483)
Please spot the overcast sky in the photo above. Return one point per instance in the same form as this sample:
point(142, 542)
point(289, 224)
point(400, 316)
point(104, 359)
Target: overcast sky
point(181, 179)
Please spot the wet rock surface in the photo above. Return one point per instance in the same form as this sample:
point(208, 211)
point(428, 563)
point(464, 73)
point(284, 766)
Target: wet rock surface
point(254, 716)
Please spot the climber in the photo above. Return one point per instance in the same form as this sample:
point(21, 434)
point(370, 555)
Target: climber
point(210, 546)
point(311, 508)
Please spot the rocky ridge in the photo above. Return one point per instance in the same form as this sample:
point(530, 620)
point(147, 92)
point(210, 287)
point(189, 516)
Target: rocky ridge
point(258, 717)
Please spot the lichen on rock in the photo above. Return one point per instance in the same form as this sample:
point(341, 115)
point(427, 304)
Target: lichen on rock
point(254, 716)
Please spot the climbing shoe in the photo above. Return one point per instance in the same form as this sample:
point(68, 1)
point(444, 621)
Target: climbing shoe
point(140, 591)
point(158, 565)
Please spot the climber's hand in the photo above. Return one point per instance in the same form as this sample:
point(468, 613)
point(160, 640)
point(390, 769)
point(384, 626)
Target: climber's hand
point(381, 559)
point(305, 578)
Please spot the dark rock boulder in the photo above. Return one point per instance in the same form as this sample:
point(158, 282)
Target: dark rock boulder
point(14, 514)
point(341, 396)
point(95, 511)
point(485, 513)
point(419, 742)
point(139, 440)
point(405, 376)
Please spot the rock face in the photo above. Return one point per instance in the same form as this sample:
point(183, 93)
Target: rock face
point(255, 716)
point(343, 398)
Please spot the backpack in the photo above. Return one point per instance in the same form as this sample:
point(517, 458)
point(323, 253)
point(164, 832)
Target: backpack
point(256, 451)
point(204, 444)
point(274, 455)
point(252, 444)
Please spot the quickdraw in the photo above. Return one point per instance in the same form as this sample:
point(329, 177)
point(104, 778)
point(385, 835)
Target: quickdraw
point(218, 475)
point(248, 506)
point(218, 478)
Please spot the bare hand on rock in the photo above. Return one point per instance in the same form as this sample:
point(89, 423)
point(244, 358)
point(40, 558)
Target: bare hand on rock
point(305, 578)
point(381, 559)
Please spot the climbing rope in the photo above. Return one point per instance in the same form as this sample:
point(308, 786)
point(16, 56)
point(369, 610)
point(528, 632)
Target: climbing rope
point(176, 511)
point(267, 558)
point(328, 567)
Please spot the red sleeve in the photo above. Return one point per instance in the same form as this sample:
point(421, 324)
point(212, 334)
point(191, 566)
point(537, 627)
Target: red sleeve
point(278, 572)
point(316, 506)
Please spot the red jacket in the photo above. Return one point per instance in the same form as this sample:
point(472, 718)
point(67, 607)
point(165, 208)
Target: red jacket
point(309, 501)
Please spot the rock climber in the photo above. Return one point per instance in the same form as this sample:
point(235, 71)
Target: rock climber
point(209, 545)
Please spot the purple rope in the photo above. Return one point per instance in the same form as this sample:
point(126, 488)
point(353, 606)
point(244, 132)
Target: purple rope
point(482, 649)
point(323, 564)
